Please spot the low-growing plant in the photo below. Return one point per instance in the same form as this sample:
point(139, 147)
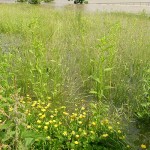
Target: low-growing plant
point(12, 119)
point(143, 111)
point(85, 127)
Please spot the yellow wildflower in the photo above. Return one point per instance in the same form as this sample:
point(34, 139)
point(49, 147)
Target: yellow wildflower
point(110, 127)
point(43, 109)
point(119, 131)
point(92, 132)
point(93, 123)
point(80, 129)
point(49, 98)
point(76, 142)
point(43, 116)
point(39, 121)
point(28, 127)
point(84, 113)
point(63, 107)
point(106, 121)
point(40, 114)
point(54, 121)
point(80, 122)
point(77, 136)
point(46, 123)
point(52, 116)
point(73, 132)
point(28, 95)
point(82, 108)
point(84, 133)
point(56, 125)
point(0, 121)
point(118, 122)
point(60, 123)
point(65, 133)
point(143, 146)
point(39, 126)
point(43, 103)
point(48, 138)
point(33, 105)
point(10, 109)
point(48, 105)
point(123, 137)
point(39, 106)
point(75, 114)
point(29, 114)
point(45, 127)
point(65, 113)
point(105, 135)
point(50, 121)
point(81, 116)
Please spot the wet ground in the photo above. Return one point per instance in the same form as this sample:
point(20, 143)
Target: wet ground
point(133, 6)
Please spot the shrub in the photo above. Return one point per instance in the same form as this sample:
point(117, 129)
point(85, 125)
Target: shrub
point(34, 1)
point(46, 1)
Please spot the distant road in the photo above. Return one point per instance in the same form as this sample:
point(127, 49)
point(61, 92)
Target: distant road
point(98, 1)
point(132, 6)
point(7, 1)
point(119, 1)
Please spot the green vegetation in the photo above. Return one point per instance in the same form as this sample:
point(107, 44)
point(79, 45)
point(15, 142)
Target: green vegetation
point(72, 79)
point(78, 1)
point(34, 1)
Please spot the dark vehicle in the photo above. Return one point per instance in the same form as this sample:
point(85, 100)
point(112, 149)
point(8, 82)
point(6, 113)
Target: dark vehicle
point(78, 1)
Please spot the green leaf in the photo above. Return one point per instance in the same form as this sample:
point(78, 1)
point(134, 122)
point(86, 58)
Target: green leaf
point(28, 141)
point(6, 126)
point(8, 135)
point(107, 69)
point(108, 87)
point(31, 134)
point(96, 79)
point(93, 92)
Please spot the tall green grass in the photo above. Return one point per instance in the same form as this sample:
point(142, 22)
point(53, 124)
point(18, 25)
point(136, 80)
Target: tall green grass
point(75, 50)
point(71, 55)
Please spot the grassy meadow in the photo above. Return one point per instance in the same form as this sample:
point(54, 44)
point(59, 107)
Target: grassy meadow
point(73, 80)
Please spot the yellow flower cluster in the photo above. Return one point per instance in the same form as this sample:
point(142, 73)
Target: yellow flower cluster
point(105, 135)
point(143, 146)
point(74, 125)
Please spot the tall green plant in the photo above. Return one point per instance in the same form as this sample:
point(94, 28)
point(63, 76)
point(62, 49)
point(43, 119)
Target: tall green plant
point(103, 64)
